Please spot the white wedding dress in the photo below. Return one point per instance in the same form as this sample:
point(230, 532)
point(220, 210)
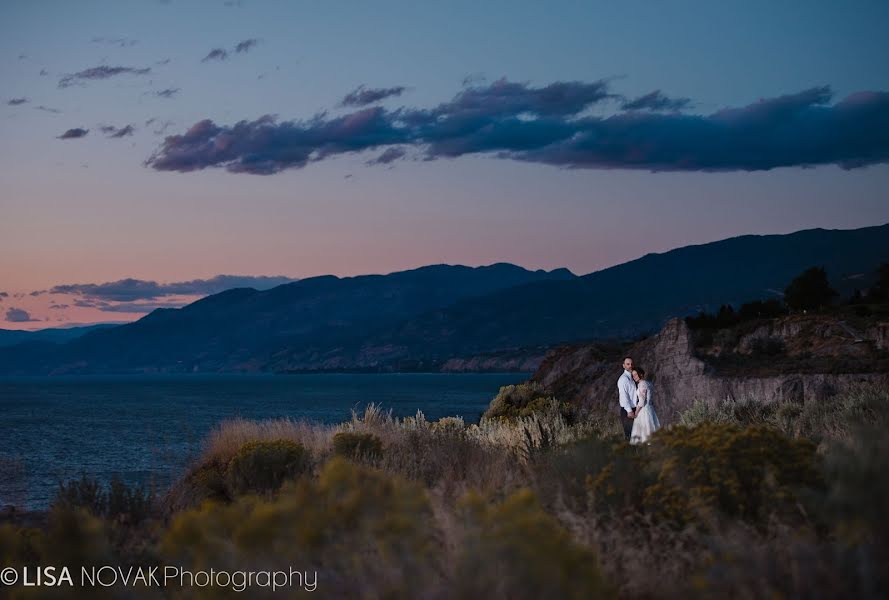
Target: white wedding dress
point(646, 421)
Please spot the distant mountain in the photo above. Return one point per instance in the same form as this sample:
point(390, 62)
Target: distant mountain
point(243, 329)
point(638, 297)
point(9, 337)
point(452, 316)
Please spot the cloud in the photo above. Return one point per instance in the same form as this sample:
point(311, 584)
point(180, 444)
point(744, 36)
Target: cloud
point(44, 72)
point(246, 45)
point(16, 101)
point(36, 293)
point(117, 132)
point(71, 134)
point(101, 72)
point(553, 125)
point(167, 93)
point(362, 96)
point(216, 54)
point(474, 79)
point(131, 290)
point(389, 155)
point(48, 109)
point(120, 42)
point(656, 101)
point(59, 306)
point(4, 295)
point(18, 315)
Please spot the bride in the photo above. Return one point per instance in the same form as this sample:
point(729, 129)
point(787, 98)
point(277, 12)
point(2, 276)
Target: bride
point(645, 421)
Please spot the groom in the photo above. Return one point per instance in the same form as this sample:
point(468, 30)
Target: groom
point(626, 389)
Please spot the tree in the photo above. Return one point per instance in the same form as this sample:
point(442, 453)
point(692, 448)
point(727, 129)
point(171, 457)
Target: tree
point(809, 290)
point(879, 292)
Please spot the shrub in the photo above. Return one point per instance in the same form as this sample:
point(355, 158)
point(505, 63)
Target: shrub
point(120, 502)
point(809, 290)
point(513, 549)
point(523, 400)
point(352, 444)
point(371, 534)
point(745, 473)
point(262, 466)
point(85, 493)
point(618, 488)
point(449, 426)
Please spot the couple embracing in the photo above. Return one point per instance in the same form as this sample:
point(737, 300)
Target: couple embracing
point(636, 409)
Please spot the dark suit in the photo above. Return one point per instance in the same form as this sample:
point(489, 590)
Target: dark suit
point(626, 421)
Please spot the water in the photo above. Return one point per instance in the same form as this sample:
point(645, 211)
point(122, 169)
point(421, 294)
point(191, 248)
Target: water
point(146, 428)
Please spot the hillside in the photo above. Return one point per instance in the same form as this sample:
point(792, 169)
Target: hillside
point(243, 329)
point(452, 317)
point(795, 358)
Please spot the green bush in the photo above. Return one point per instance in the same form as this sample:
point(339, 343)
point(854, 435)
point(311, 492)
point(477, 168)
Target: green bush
point(262, 466)
point(366, 533)
point(716, 468)
point(208, 482)
point(352, 444)
point(513, 549)
point(524, 399)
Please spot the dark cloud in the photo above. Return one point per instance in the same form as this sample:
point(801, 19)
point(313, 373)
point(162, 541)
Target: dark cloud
point(37, 293)
point(101, 72)
point(656, 101)
point(55, 111)
point(59, 306)
point(18, 315)
point(120, 42)
point(17, 101)
point(90, 303)
point(389, 155)
point(75, 133)
point(44, 72)
point(4, 294)
point(362, 96)
point(246, 45)
point(216, 54)
point(163, 62)
point(117, 132)
point(131, 290)
point(167, 93)
point(553, 125)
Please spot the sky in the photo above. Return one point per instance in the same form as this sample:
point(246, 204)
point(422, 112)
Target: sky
point(152, 152)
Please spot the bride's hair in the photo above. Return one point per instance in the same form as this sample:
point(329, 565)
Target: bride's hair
point(641, 372)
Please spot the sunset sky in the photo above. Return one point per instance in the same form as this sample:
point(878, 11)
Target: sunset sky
point(149, 147)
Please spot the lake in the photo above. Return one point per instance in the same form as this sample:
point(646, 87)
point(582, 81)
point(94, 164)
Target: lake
point(146, 428)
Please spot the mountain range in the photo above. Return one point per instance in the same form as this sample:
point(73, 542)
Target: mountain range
point(425, 318)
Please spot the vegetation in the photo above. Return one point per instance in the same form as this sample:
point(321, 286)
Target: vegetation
point(523, 400)
point(810, 290)
point(737, 498)
point(357, 445)
point(262, 466)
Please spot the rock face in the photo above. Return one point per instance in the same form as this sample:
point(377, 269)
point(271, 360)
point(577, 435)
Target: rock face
point(580, 375)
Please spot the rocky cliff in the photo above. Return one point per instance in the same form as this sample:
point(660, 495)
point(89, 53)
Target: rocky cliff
point(804, 368)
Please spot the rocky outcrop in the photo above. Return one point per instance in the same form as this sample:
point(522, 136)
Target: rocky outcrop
point(582, 376)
